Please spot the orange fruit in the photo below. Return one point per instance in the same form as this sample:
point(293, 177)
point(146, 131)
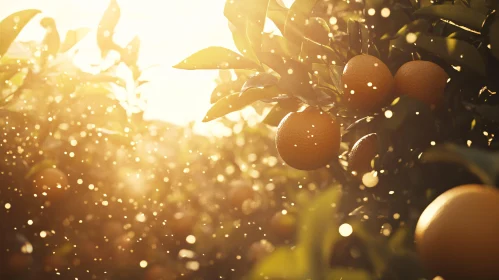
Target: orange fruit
point(456, 235)
point(362, 153)
point(367, 83)
point(282, 225)
point(51, 181)
point(159, 272)
point(182, 223)
point(421, 80)
point(309, 139)
point(239, 193)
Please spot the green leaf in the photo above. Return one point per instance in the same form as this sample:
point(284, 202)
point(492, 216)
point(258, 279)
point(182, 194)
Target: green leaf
point(354, 37)
point(377, 249)
point(8, 71)
point(52, 41)
point(348, 274)
point(461, 15)
point(12, 25)
point(261, 80)
point(105, 30)
point(73, 37)
point(488, 112)
point(277, 14)
point(401, 108)
point(216, 58)
point(225, 89)
point(225, 76)
point(248, 15)
point(276, 114)
point(295, 77)
point(317, 29)
point(494, 37)
point(319, 230)
point(39, 166)
point(277, 44)
point(314, 49)
point(484, 164)
point(283, 263)
point(296, 19)
point(242, 42)
point(130, 53)
point(455, 52)
point(238, 101)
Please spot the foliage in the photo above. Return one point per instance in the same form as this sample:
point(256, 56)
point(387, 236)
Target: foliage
point(150, 191)
point(305, 58)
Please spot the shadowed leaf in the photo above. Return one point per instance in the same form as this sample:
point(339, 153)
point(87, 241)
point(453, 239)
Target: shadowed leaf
point(455, 52)
point(484, 164)
point(455, 13)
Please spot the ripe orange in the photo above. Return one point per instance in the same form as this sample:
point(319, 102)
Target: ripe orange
point(182, 223)
point(422, 80)
point(362, 153)
point(239, 193)
point(309, 139)
point(367, 83)
point(456, 235)
point(50, 181)
point(283, 226)
point(159, 272)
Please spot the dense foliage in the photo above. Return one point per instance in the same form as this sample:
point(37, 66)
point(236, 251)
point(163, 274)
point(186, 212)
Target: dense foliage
point(149, 200)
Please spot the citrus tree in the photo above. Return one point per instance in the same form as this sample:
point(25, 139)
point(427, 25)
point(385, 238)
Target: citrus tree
point(90, 189)
point(397, 100)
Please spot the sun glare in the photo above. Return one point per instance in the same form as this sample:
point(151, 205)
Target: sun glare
point(169, 31)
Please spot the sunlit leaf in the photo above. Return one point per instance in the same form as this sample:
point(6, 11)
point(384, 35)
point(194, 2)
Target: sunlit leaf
point(276, 114)
point(455, 13)
point(277, 44)
point(296, 19)
point(455, 52)
point(12, 25)
point(130, 53)
point(277, 14)
point(295, 77)
point(238, 101)
point(225, 76)
point(261, 80)
point(72, 38)
point(52, 41)
point(107, 24)
point(225, 89)
point(283, 263)
point(216, 58)
point(319, 229)
point(348, 274)
point(242, 42)
point(484, 164)
point(47, 163)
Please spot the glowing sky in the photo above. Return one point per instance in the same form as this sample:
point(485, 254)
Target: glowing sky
point(170, 31)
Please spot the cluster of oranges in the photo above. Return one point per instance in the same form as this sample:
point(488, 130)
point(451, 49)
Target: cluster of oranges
point(310, 139)
point(458, 228)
